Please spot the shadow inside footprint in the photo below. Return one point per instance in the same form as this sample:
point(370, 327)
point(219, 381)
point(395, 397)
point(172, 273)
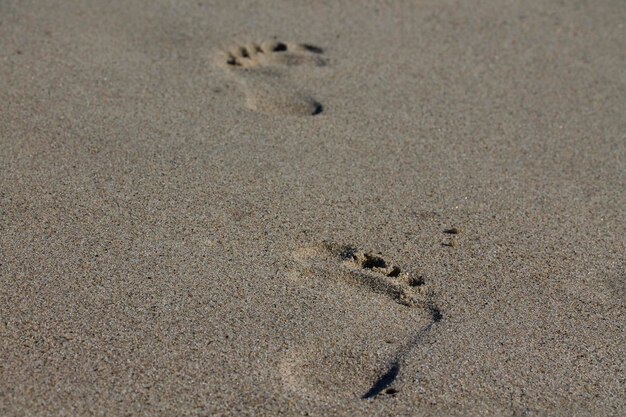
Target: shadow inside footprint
point(383, 382)
point(263, 70)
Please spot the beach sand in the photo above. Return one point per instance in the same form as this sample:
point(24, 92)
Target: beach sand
point(312, 208)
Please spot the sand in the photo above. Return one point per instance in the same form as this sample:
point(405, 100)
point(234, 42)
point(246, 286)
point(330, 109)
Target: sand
point(246, 208)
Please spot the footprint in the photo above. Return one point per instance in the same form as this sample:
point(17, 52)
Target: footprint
point(369, 273)
point(264, 69)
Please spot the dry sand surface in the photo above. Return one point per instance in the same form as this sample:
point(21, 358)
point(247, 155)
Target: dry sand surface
point(312, 208)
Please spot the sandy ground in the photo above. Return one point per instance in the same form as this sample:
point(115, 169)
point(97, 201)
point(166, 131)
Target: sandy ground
point(312, 208)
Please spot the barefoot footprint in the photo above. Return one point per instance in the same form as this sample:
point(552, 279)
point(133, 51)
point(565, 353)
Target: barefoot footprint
point(263, 71)
point(372, 273)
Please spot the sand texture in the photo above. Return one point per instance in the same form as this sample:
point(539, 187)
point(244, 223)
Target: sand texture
point(350, 208)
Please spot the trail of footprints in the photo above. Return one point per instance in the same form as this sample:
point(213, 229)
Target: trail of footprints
point(370, 271)
point(265, 72)
point(273, 77)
